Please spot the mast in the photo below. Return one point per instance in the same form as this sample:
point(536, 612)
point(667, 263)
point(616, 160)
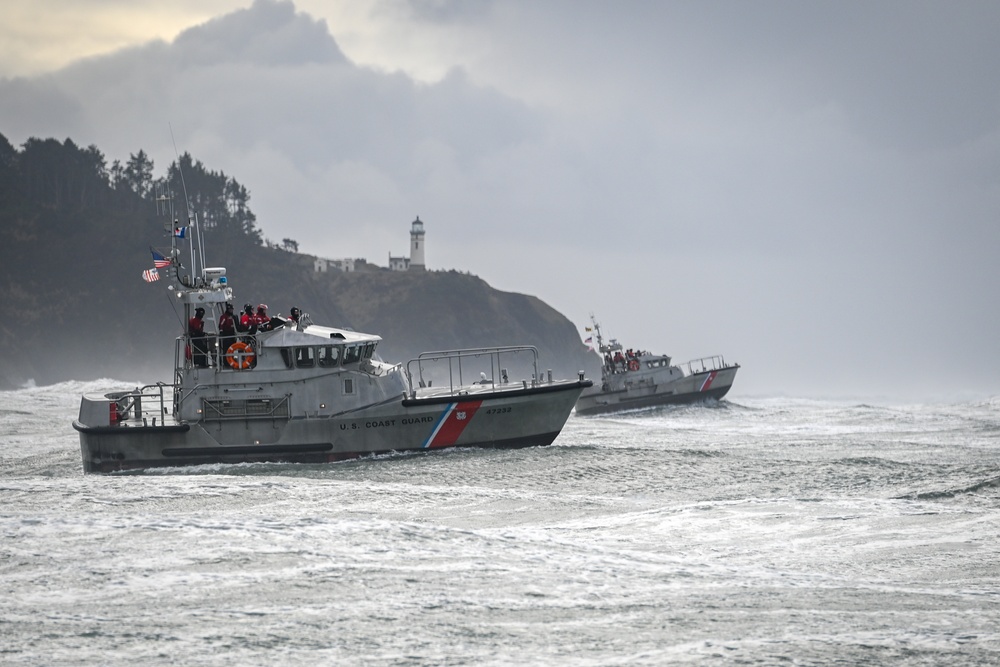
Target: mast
point(194, 229)
point(597, 331)
point(205, 286)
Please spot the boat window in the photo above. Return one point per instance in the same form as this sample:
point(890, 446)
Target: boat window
point(329, 356)
point(348, 385)
point(352, 354)
point(286, 354)
point(369, 349)
point(305, 357)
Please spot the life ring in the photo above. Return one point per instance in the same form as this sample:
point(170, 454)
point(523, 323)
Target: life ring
point(240, 356)
point(633, 364)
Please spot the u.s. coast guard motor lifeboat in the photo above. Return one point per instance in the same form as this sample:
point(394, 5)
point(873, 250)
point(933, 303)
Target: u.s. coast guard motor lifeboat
point(637, 379)
point(302, 392)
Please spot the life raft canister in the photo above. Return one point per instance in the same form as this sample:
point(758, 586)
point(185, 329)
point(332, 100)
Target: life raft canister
point(633, 364)
point(240, 356)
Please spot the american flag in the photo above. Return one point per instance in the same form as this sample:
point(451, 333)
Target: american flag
point(149, 275)
point(159, 261)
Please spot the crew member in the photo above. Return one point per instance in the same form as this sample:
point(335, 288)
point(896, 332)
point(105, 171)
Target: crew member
point(619, 361)
point(261, 319)
point(227, 329)
point(247, 320)
point(196, 332)
point(297, 316)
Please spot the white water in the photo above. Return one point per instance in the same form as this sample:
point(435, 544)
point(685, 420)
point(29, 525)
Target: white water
point(751, 531)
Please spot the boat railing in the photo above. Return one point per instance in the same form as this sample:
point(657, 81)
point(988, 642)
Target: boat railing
point(428, 366)
point(206, 351)
point(145, 406)
point(705, 364)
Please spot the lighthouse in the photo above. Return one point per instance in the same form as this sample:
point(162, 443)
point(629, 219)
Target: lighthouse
point(417, 245)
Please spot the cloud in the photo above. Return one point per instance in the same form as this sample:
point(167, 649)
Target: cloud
point(268, 34)
point(44, 35)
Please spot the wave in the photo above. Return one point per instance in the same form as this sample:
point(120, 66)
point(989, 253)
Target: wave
point(654, 411)
point(99, 385)
point(985, 485)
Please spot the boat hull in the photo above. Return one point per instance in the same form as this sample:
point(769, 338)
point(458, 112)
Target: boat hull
point(690, 389)
point(528, 417)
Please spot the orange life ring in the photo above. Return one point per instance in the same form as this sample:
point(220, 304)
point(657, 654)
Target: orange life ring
point(240, 356)
point(633, 364)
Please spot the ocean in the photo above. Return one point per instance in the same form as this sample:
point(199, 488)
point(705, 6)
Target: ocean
point(749, 531)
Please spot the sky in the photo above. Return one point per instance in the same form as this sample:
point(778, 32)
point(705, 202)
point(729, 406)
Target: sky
point(810, 189)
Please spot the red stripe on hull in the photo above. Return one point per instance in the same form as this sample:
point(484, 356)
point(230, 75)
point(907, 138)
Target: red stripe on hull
point(455, 423)
point(708, 381)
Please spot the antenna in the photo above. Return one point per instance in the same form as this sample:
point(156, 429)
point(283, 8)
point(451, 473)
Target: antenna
point(165, 207)
point(190, 217)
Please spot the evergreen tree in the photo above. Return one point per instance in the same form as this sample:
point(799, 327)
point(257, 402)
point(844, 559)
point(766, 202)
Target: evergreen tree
point(138, 174)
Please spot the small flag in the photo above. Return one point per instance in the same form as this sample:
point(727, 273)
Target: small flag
point(149, 275)
point(587, 329)
point(590, 339)
point(180, 232)
point(159, 261)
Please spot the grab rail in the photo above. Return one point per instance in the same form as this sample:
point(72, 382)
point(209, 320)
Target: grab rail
point(206, 351)
point(454, 359)
point(713, 363)
point(131, 406)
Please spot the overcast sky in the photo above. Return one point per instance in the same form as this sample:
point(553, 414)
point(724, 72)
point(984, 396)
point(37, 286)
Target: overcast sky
point(810, 188)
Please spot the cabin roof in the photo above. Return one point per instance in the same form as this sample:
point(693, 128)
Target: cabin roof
point(316, 335)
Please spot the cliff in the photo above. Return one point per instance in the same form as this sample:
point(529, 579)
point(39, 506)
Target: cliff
point(120, 327)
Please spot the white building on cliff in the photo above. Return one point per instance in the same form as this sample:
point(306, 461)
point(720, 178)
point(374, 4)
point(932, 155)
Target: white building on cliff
point(415, 262)
point(347, 264)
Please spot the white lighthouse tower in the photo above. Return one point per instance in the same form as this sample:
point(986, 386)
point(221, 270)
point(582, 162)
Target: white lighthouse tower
point(417, 245)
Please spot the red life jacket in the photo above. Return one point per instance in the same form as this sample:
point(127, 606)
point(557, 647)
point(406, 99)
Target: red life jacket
point(227, 325)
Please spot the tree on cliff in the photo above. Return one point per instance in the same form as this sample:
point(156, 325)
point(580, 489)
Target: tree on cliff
point(75, 237)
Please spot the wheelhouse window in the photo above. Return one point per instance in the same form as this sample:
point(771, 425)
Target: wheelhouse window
point(369, 351)
point(305, 357)
point(328, 356)
point(352, 354)
point(348, 385)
